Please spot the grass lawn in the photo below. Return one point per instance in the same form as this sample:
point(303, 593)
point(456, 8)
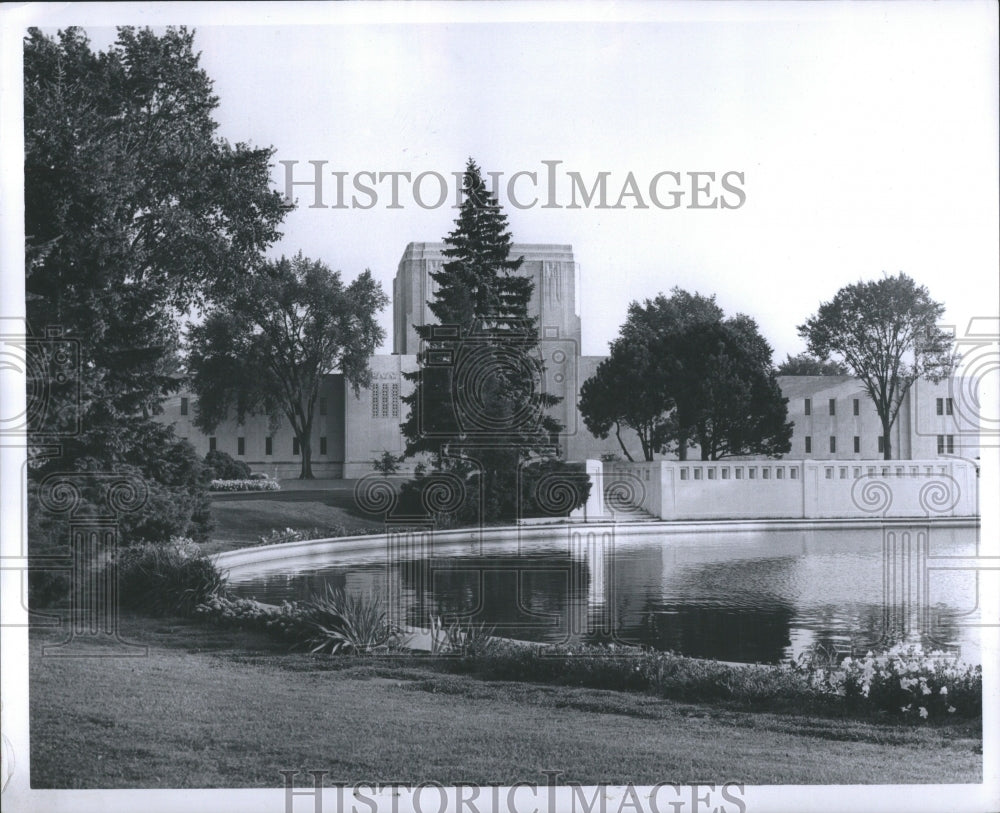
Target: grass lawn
point(240, 518)
point(216, 708)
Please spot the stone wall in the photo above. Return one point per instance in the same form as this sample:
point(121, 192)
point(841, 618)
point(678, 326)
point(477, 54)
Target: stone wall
point(795, 489)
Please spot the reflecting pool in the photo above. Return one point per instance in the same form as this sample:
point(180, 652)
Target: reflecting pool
point(749, 596)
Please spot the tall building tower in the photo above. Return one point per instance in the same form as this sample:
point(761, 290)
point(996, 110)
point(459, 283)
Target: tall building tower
point(553, 303)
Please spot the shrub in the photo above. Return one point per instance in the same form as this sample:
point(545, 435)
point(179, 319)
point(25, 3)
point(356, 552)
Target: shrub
point(222, 466)
point(171, 578)
point(387, 463)
point(250, 484)
point(553, 488)
point(452, 498)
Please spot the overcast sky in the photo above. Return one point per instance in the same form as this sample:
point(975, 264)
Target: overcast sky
point(866, 135)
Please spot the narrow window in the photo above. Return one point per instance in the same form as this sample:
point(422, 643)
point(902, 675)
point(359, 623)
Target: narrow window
point(295, 445)
point(951, 444)
point(843, 472)
point(184, 406)
point(322, 445)
point(752, 473)
point(765, 474)
point(828, 472)
point(940, 406)
point(793, 474)
point(857, 444)
point(211, 444)
point(948, 406)
point(809, 444)
point(385, 400)
point(857, 406)
point(241, 446)
point(268, 445)
point(725, 472)
point(940, 444)
point(833, 406)
point(711, 474)
point(697, 474)
point(374, 400)
point(779, 473)
point(395, 400)
point(833, 445)
point(684, 474)
point(739, 474)
point(809, 406)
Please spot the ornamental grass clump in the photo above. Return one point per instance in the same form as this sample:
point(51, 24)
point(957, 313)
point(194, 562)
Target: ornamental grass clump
point(339, 623)
point(904, 680)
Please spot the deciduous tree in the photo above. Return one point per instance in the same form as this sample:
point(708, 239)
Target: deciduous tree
point(266, 349)
point(135, 210)
point(887, 332)
point(804, 364)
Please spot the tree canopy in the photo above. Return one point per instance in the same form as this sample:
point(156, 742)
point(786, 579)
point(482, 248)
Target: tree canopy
point(804, 364)
point(887, 333)
point(265, 349)
point(135, 210)
point(680, 373)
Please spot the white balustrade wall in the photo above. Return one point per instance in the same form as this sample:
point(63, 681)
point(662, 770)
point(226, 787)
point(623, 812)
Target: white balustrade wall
point(794, 489)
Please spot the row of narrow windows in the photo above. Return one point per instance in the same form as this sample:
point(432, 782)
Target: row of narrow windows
point(241, 445)
point(945, 444)
point(942, 406)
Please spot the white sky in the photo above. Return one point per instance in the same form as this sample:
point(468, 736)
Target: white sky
point(867, 134)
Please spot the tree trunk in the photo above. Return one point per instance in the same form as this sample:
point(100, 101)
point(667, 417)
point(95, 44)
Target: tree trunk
point(306, 449)
point(886, 440)
point(618, 434)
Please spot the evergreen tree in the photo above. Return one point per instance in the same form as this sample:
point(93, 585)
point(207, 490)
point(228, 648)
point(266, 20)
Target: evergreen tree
point(477, 407)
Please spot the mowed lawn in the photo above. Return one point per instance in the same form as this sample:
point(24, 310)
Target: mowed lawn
point(212, 708)
point(241, 518)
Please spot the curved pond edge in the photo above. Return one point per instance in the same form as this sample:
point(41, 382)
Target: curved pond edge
point(246, 558)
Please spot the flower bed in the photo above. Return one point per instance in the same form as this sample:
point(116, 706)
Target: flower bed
point(903, 680)
point(245, 485)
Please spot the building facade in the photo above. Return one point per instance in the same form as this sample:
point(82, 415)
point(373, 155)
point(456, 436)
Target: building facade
point(834, 418)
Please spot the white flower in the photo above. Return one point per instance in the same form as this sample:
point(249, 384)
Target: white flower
point(923, 712)
point(944, 690)
point(905, 708)
point(925, 688)
point(951, 709)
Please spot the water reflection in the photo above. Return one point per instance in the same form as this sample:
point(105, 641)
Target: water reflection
point(747, 596)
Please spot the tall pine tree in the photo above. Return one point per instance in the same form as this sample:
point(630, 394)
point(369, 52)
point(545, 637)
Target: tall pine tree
point(477, 407)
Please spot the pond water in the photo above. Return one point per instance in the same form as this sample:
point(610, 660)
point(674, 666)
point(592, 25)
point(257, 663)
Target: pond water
point(749, 596)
